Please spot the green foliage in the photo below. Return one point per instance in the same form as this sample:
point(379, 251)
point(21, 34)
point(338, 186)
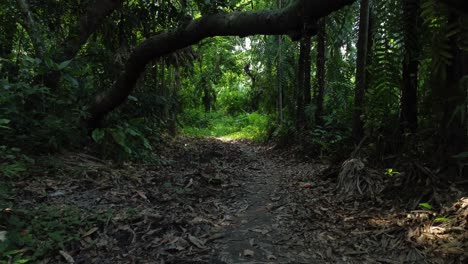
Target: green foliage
point(252, 126)
point(426, 206)
point(233, 101)
point(128, 141)
point(383, 95)
point(391, 172)
point(34, 234)
point(34, 117)
point(13, 162)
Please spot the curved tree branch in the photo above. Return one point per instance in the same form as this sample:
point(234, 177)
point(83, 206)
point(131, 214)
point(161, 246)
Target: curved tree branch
point(285, 21)
point(79, 35)
point(86, 26)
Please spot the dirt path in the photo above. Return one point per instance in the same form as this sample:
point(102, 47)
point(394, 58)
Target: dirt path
point(260, 234)
point(283, 222)
point(220, 202)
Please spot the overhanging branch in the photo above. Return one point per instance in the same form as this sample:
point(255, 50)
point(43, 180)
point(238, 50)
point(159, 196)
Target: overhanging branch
point(284, 21)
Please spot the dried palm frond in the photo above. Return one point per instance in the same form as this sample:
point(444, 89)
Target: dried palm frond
point(356, 179)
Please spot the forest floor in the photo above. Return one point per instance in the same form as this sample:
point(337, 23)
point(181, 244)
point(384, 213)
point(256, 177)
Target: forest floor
point(231, 202)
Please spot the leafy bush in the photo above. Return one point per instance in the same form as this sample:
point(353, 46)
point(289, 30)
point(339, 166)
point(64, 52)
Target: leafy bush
point(34, 117)
point(233, 101)
point(34, 234)
point(126, 141)
point(252, 126)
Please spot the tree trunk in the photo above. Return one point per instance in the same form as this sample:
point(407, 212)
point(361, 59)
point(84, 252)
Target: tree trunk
point(164, 90)
point(284, 21)
point(453, 135)
point(320, 74)
point(279, 78)
point(206, 97)
point(174, 102)
point(255, 94)
point(361, 63)
point(300, 86)
point(32, 29)
point(78, 36)
point(307, 69)
point(8, 69)
point(303, 82)
point(409, 99)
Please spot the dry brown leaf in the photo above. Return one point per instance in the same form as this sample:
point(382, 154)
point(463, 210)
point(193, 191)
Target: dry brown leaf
point(197, 242)
point(90, 232)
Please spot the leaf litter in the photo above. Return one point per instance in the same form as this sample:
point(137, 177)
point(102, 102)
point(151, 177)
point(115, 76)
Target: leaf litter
point(237, 202)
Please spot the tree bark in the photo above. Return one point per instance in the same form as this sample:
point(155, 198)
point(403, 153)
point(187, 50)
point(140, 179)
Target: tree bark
point(453, 131)
point(409, 99)
point(303, 82)
point(284, 21)
point(300, 115)
point(256, 93)
point(174, 102)
point(320, 74)
point(307, 68)
point(86, 26)
point(279, 79)
point(361, 63)
point(8, 69)
point(80, 33)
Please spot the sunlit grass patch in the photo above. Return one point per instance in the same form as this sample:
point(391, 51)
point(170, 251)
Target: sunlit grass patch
point(251, 126)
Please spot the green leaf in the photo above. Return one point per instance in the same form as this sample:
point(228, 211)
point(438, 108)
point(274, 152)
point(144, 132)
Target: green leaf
point(98, 135)
point(426, 206)
point(147, 144)
point(461, 156)
point(4, 122)
point(441, 219)
point(132, 98)
point(64, 64)
point(73, 82)
point(119, 137)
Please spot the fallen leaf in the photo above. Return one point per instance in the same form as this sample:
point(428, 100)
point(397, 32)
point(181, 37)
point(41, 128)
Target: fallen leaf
point(262, 231)
point(67, 256)
point(248, 253)
point(197, 242)
point(142, 195)
point(271, 257)
point(90, 232)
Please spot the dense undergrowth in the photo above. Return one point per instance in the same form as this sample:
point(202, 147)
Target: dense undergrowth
point(252, 126)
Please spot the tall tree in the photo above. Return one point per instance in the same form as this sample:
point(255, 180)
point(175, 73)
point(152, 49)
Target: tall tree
point(320, 72)
point(283, 21)
point(409, 100)
point(361, 63)
point(279, 78)
point(302, 87)
point(454, 125)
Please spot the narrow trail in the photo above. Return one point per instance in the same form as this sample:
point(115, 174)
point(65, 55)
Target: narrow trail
point(260, 233)
point(219, 202)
